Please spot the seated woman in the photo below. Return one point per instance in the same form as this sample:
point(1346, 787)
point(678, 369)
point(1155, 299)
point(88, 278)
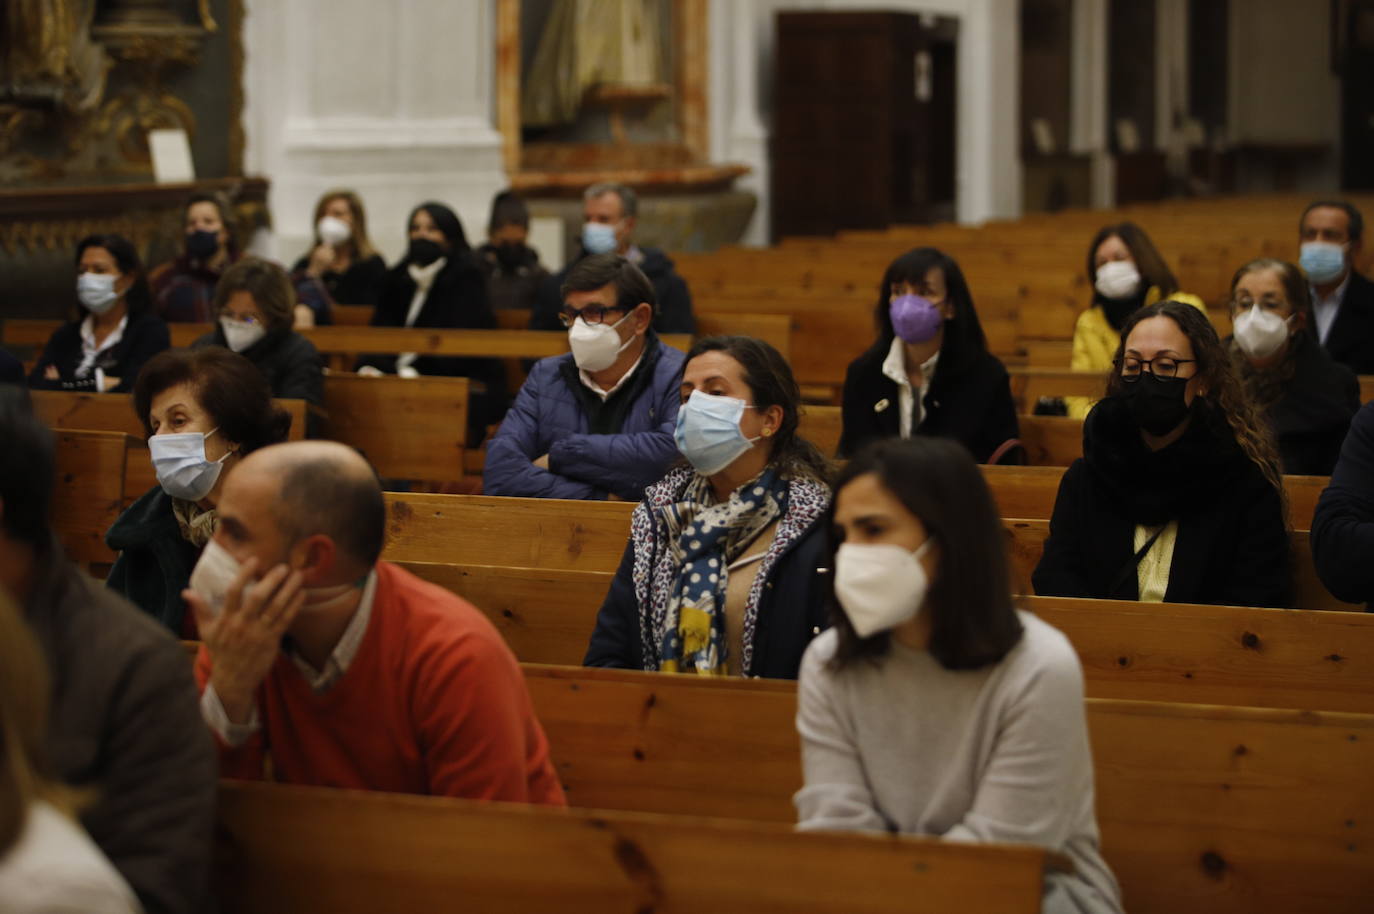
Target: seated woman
point(203, 410)
point(115, 332)
point(439, 284)
point(929, 372)
point(932, 706)
point(721, 571)
point(255, 304)
point(1308, 398)
point(47, 860)
point(343, 258)
point(1126, 272)
point(1178, 496)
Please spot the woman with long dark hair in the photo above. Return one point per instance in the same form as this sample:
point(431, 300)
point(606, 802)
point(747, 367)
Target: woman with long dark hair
point(932, 706)
point(720, 576)
point(1178, 496)
point(929, 372)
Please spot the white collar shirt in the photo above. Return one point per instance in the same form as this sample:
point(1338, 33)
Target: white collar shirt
point(1327, 308)
point(910, 403)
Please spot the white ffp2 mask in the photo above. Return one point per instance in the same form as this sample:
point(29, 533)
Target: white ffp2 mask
point(880, 586)
point(1259, 332)
point(595, 347)
point(1117, 279)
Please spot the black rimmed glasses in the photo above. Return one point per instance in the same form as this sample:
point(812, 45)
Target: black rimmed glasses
point(1160, 367)
point(592, 314)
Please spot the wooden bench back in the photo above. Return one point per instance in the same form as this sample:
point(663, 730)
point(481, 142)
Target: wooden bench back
point(304, 850)
point(1202, 809)
point(89, 492)
point(115, 412)
point(408, 428)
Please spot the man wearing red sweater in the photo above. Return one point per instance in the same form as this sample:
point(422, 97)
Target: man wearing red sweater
point(348, 671)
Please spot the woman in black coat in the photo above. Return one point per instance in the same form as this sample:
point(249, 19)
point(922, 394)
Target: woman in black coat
point(439, 284)
point(1308, 397)
point(106, 346)
point(1178, 495)
point(929, 372)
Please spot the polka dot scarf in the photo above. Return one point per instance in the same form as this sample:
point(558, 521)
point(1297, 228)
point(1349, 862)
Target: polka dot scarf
point(704, 539)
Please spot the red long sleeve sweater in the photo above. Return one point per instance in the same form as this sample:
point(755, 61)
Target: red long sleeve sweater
point(434, 703)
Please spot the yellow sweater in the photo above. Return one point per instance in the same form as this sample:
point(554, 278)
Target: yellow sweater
point(1095, 341)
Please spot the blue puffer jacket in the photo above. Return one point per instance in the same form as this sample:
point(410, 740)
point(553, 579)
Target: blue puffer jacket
point(548, 419)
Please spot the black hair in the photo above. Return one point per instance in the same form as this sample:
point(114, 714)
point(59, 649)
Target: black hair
point(227, 216)
point(447, 221)
point(771, 383)
point(1356, 221)
point(597, 270)
point(973, 621)
point(26, 470)
point(138, 299)
point(322, 496)
point(228, 387)
point(964, 339)
point(507, 208)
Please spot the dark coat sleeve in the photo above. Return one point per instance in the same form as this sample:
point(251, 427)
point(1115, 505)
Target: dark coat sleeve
point(302, 377)
point(675, 307)
point(1343, 528)
point(547, 303)
point(509, 468)
point(55, 352)
point(858, 421)
point(615, 641)
point(1261, 573)
point(999, 425)
point(1063, 567)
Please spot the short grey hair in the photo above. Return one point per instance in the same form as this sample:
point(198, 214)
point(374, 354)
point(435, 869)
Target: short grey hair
point(629, 203)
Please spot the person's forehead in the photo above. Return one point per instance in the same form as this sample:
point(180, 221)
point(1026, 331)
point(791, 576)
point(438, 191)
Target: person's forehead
point(97, 254)
point(605, 296)
point(607, 203)
point(1260, 281)
point(1158, 334)
point(241, 300)
point(178, 394)
point(714, 364)
point(422, 219)
point(202, 210)
point(1327, 217)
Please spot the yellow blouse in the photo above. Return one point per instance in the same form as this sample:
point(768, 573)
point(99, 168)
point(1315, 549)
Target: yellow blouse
point(1152, 574)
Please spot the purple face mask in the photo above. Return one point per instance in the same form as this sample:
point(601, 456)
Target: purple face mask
point(915, 319)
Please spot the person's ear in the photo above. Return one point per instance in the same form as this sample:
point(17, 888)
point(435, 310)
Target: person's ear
point(772, 420)
point(124, 283)
point(644, 316)
point(314, 557)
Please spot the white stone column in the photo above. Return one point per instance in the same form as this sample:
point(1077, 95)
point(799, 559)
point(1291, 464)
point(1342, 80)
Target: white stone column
point(1088, 113)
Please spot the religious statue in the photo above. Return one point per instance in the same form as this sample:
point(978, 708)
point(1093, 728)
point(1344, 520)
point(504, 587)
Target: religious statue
point(47, 56)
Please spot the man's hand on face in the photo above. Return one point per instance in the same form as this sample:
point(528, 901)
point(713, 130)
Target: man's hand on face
point(244, 638)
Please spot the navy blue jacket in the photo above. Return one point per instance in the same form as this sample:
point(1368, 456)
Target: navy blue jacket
point(548, 419)
point(1343, 528)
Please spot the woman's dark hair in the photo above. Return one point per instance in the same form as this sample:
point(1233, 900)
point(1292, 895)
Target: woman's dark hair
point(138, 300)
point(227, 386)
point(771, 383)
point(973, 620)
point(1225, 390)
point(1266, 386)
point(447, 221)
point(508, 208)
point(596, 271)
point(1149, 263)
point(964, 336)
point(270, 286)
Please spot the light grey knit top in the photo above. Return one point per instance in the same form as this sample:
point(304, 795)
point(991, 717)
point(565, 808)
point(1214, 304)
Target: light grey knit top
point(999, 754)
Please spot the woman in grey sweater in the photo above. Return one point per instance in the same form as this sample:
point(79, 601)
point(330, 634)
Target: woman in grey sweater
point(933, 707)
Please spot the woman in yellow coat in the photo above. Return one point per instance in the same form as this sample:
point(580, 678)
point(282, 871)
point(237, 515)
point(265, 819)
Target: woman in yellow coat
point(1127, 272)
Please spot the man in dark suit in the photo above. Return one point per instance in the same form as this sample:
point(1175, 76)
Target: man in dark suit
point(1330, 233)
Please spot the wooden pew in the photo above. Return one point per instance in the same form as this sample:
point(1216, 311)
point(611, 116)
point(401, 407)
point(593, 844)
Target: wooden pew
point(1202, 808)
point(301, 850)
point(115, 412)
point(408, 428)
point(1223, 655)
point(1051, 441)
point(89, 492)
point(822, 426)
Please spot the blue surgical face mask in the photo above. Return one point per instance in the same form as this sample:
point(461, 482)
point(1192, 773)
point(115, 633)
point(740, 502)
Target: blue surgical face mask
point(181, 467)
point(96, 291)
point(708, 432)
point(598, 238)
point(1322, 261)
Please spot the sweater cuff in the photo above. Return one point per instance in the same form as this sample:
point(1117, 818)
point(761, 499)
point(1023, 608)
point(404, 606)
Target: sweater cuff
point(217, 719)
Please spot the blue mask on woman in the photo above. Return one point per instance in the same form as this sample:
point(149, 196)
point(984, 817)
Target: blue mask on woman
point(181, 467)
point(708, 432)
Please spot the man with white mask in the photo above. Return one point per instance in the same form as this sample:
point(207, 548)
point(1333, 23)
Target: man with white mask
point(349, 671)
point(596, 423)
point(1330, 234)
point(610, 213)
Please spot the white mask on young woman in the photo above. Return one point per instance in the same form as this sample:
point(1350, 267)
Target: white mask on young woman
point(1117, 279)
point(880, 585)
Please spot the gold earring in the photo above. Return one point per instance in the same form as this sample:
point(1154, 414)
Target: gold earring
point(767, 433)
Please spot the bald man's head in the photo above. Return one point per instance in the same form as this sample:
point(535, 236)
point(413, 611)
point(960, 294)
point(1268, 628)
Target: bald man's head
point(322, 488)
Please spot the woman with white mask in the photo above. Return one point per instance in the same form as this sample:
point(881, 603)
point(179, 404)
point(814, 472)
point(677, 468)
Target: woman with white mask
point(721, 573)
point(1307, 397)
point(1127, 272)
point(115, 331)
point(342, 258)
point(203, 410)
point(933, 706)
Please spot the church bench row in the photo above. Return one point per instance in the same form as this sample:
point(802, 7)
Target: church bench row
point(1202, 808)
point(1221, 655)
point(309, 850)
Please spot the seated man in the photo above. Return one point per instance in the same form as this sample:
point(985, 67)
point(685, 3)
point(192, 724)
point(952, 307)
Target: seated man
point(596, 423)
point(609, 212)
point(350, 672)
point(514, 273)
point(1330, 233)
point(123, 722)
point(1343, 528)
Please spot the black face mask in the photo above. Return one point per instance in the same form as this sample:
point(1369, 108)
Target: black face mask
point(424, 252)
point(201, 245)
point(510, 255)
point(1157, 404)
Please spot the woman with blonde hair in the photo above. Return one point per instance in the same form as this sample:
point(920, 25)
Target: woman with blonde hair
point(343, 258)
point(47, 862)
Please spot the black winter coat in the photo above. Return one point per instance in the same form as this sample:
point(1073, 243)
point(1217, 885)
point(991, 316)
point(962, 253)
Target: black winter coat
point(1350, 340)
point(674, 311)
point(145, 335)
point(290, 363)
point(154, 560)
point(1343, 529)
point(1232, 546)
point(1313, 414)
point(970, 403)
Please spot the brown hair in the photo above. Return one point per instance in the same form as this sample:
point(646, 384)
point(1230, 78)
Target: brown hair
point(358, 239)
point(226, 385)
point(1149, 263)
point(226, 214)
point(1218, 372)
point(269, 285)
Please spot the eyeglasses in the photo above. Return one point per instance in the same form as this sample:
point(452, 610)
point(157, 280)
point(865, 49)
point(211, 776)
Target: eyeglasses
point(245, 319)
point(1160, 367)
point(592, 314)
point(1269, 304)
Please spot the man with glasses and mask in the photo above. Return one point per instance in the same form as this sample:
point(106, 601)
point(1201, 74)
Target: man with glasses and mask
point(596, 423)
point(1330, 233)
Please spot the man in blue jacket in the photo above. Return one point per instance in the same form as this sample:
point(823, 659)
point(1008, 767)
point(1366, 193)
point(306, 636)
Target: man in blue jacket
point(596, 423)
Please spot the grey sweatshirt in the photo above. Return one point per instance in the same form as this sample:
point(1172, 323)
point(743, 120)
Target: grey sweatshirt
point(998, 755)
